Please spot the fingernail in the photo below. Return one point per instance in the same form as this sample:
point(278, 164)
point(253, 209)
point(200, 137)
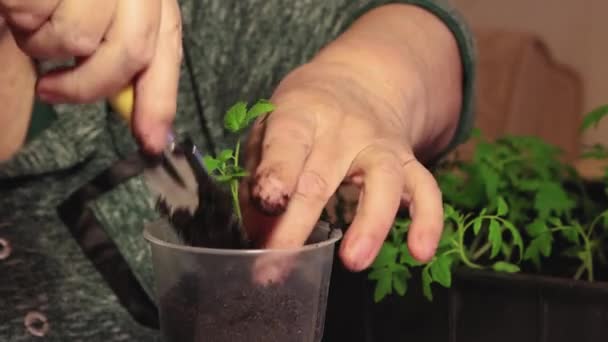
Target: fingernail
point(156, 138)
point(426, 247)
point(359, 252)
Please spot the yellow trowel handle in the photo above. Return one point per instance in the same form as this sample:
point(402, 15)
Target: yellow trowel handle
point(122, 103)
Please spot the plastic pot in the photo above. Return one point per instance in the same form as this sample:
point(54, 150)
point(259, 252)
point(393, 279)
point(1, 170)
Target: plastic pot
point(206, 294)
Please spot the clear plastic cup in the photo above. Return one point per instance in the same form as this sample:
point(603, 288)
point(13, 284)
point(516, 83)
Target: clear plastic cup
point(206, 294)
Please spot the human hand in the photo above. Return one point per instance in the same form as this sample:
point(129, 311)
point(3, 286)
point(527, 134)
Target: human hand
point(331, 126)
point(115, 42)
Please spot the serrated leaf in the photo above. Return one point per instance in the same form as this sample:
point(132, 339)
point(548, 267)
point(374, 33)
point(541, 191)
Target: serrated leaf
point(593, 118)
point(532, 254)
point(477, 225)
point(225, 155)
point(384, 287)
point(234, 120)
point(545, 242)
point(406, 257)
point(426, 284)
point(503, 208)
point(536, 228)
point(570, 234)
point(386, 257)
point(491, 179)
point(552, 198)
point(440, 270)
point(541, 245)
point(448, 212)
point(379, 273)
point(495, 237)
point(502, 266)
point(517, 239)
point(211, 164)
point(446, 236)
point(555, 221)
point(260, 108)
point(400, 282)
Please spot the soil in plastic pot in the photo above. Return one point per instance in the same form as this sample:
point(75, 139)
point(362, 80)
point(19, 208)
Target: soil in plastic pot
point(198, 312)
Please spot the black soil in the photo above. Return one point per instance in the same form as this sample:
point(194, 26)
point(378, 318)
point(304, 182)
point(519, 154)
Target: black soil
point(230, 307)
point(238, 311)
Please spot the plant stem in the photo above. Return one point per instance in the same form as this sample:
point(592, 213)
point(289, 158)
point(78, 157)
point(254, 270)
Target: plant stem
point(234, 184)
point(234, 189)
point(481, 251)
point(237, 150)
point(463, 254)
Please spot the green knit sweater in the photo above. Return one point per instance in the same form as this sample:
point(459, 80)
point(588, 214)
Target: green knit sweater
point(73, 263)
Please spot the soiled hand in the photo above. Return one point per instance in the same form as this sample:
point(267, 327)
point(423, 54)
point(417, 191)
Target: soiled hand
point(114, 42)
point(331, 125)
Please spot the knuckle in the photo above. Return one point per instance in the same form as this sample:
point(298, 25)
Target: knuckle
point(139, 54)
point(77, 44)
point(25, 21)
point(312, 187)
point(389, 166)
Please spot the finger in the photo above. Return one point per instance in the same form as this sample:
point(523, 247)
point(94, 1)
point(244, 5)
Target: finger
point(287, 143)
point(128, 48)
point(379, 201)
point(157, 86)
point(426, 210)
point(70, 31)
point(255, 221)
point(27, 15)
point(319, 179)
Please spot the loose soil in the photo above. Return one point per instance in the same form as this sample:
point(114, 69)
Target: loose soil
point(195, 311)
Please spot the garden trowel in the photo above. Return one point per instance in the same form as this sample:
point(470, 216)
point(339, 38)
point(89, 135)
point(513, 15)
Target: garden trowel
point(171, 176)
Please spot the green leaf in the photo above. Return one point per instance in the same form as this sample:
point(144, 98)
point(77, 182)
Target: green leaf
point(211, 164)
point(406, 257)
point(540, 245)
point(503, 208)
point(495, 237)
point(517, 239)
point(234, 120)
point(387, 256)
point(426, 284)
point(593, 118)
point(491, 179)
point(440, 270)
point(477, 224)
point(446, 236)
point(400, 282)
point(449, 212)
point(570, 234)
point(225, 155)
point(552, 198)
point(260, 108)
point(555, 221)
point(384, 287)
point(537, 227)
point(502, 266)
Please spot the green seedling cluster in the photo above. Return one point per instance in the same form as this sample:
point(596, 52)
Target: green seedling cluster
point(225, 167)
point(505, 210)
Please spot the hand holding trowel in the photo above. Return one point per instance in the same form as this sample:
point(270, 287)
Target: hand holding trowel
point(199, 209)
